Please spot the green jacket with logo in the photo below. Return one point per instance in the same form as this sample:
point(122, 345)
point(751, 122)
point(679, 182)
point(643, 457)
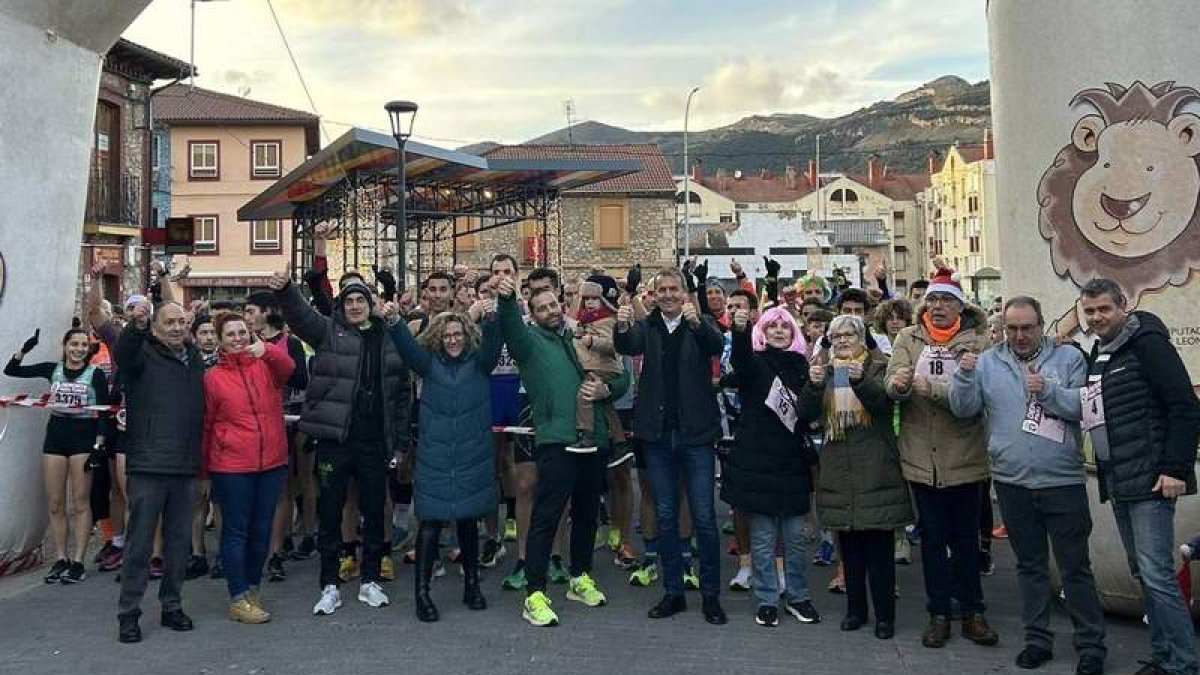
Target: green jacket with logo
point(552, 375)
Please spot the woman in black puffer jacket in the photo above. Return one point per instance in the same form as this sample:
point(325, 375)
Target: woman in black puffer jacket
point(768, 475)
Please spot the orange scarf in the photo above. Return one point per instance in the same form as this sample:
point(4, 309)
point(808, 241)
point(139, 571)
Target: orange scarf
point(941, 336)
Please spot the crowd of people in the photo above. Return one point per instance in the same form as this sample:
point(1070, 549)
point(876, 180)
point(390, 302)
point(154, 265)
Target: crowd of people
point(368, 419)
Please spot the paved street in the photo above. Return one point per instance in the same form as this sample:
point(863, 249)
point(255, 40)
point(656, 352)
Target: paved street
point(60, 629)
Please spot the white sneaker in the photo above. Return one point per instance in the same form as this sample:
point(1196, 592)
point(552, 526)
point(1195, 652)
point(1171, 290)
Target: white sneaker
point(741, 581)
point(372, 594)
point(330, 600)
point(439, 569)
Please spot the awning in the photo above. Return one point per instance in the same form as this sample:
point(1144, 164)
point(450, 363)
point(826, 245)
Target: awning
point(368, 152)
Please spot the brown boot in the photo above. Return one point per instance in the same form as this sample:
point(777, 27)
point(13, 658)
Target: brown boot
point(937, 633)
point(976, 629)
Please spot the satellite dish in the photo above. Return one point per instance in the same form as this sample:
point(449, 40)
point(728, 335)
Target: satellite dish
point(244, 91)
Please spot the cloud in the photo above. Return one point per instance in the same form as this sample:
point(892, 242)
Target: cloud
point(406, 17)
point(234, 76)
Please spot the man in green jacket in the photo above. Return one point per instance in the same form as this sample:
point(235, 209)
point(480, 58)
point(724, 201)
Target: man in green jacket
point(545, 354)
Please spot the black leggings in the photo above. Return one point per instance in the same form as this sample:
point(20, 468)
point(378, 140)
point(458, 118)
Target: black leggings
point(468, 536)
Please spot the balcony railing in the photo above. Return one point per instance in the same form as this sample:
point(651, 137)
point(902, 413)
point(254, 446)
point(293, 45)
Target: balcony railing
point(114, 201)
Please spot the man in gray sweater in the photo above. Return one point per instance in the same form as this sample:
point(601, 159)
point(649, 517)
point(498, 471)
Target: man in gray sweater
point(1029, 387)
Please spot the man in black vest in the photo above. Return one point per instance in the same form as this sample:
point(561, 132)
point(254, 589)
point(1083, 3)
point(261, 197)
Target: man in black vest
point(1144, 419)
point(163, 376)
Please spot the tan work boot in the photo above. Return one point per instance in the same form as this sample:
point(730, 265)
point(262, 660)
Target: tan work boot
point(244, 612)
point(937, 632)
point(255, 599)
point(976, 629)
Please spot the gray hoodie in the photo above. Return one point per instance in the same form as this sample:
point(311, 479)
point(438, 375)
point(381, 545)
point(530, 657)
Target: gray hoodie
point(997, 387)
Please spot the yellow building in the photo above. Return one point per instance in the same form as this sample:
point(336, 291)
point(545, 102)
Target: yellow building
point(961, 219)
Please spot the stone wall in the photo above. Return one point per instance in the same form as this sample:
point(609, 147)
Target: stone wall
point(651, 236)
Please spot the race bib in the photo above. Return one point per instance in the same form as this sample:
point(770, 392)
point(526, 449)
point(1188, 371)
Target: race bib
point(69, 393)
point(781, 400)
point(936, 364)
point(1037, 423)
point(1093, 407)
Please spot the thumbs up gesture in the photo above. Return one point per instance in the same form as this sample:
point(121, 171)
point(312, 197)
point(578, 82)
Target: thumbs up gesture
point(281, 278)
point(968, 362)
point(1035, 382)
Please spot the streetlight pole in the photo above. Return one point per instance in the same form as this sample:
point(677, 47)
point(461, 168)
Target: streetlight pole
point(192, 57)
point(687, 195)
point(400, 113)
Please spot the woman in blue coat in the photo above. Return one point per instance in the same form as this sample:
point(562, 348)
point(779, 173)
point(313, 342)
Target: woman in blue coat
point(455, 477)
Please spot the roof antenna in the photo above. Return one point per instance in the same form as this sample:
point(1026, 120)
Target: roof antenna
point(569, 109)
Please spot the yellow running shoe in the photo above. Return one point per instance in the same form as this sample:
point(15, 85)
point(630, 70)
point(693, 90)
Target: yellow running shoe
point(347, 568)
point(583, 589)
point(537, 610)
point(387, 568)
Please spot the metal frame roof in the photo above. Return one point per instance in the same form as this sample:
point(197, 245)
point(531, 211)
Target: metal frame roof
point(360, 152)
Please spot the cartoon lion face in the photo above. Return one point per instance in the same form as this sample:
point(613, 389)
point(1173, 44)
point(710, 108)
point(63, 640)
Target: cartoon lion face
point(1142, 191)
point(1120, 200)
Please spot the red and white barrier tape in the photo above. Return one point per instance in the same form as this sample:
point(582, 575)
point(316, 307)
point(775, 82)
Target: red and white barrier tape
point(43, 401)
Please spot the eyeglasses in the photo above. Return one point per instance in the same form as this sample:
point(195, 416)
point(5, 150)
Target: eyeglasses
point(453, 337)
point(834, 337)
point(940, 299)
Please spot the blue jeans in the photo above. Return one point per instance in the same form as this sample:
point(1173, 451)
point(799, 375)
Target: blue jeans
point(1147, 531)
point(247, 503)
point(666, 463)
point(764, 531)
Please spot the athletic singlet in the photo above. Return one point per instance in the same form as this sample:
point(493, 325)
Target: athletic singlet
point(72, 391)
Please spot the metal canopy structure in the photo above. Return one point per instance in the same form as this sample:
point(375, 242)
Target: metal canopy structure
point(351, 185)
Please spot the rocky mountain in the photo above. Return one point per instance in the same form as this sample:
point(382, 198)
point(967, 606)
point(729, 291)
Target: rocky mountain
point(902, 131)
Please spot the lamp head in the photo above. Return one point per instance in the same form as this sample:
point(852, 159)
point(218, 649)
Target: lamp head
point(401, 114)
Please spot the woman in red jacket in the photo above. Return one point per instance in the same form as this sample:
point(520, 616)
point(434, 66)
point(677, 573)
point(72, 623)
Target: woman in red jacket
point(246, 454)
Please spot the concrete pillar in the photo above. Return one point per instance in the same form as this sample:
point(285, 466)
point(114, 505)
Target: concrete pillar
point(51, 61)
point(1094, 104)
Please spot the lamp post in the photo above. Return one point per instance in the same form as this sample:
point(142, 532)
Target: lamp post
point(402, 114)
point(192, 57)
point(687, 195)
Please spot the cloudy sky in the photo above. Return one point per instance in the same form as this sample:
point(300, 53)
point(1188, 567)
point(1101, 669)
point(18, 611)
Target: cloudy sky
point(501, 69)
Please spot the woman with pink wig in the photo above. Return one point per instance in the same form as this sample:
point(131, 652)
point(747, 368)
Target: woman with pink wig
point(768, 475)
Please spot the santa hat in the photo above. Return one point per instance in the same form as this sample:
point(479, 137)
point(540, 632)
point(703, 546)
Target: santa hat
point(946, 280)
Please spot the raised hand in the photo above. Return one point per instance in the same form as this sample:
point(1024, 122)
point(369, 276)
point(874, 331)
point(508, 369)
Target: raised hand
point(921, 386)
point(902, 379)
point(701, 274)
point(855, 370)
point(1035, 382)
point(633, 279)
point(816, 374)
point(31, 342)
point(741, 319)
point(736, 268)
point(391, 311)
point(506, 287)
point(257, 348)
point(772, 267)
point(140, 315)
point(624, 317)
point(690, 315)
point(968, 362)
point(281, 278)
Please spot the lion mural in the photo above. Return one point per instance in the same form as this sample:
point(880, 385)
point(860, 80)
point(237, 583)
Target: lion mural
point(1120, 200)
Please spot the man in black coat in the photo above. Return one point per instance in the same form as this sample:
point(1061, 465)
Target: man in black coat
point(163, 376)
point(1144, 420)
point(677, 418)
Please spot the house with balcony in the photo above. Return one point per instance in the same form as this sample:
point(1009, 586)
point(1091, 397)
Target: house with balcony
point(215, 153)
point(872, 217)
point(119, 182)
point(961, 216)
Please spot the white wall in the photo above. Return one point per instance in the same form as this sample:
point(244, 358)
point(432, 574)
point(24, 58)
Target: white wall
point(48, 109)
point(1042, 55)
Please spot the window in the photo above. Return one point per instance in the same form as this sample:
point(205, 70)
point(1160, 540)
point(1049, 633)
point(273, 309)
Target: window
point(612, 225)
point(726, 218)
point(973, 242)
point(843, 195)
point(266, 236)
point(901, 262)
point(693, 198)
point(265, 159)
point(205, 237)
point(204, 160)
point(466, 242)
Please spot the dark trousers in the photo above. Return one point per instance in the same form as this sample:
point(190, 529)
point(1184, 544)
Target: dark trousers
point(247, 503)
point(949, 518)
point(1038, 520)
point(336, 465)
point(867, 558)
point(151, 497)
point(987, 519)
point(562, 476)
point(668, 461)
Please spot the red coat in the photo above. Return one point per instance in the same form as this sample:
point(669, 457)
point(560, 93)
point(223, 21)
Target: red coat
point(243, 412)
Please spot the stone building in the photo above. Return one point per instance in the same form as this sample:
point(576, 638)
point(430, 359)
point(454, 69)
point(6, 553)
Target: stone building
point(121, 175)
point(614, 223)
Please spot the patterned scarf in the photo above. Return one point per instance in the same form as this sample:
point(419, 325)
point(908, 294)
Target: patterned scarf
point(843, 410)
point(592, 315)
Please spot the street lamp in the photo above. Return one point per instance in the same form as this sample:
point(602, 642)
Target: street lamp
point(402, 114)
point(687, 195)
point(192, 58)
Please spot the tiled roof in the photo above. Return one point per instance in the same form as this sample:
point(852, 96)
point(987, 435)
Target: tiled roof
point(182, 105)
point(901, 187)
point(751, 189)
point(655, 177)
point(154, 64)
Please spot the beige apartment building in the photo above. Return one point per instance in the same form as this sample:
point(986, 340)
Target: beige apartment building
point(221, 151)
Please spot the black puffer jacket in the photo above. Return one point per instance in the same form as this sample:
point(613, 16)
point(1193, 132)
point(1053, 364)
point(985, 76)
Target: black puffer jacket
point(334, 382)
point(1152, 417)
point(698, 416)
point(164, 399)
point(767, 472)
